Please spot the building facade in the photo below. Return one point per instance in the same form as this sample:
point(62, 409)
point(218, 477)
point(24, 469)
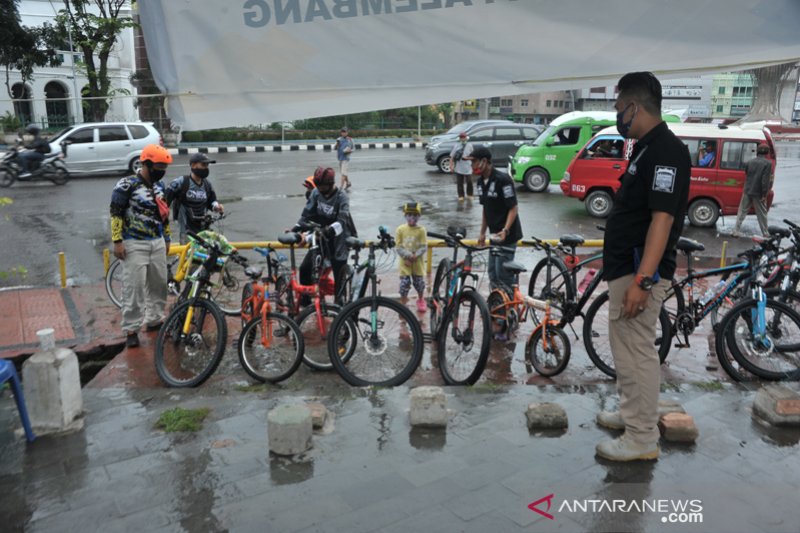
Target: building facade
point(53, 97)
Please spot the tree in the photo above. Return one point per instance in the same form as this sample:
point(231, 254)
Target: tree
point(95, 26)
point(24, 48)
point(768, 84)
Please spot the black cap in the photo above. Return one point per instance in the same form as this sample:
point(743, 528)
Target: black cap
point(200, 157)
point(344, 129)
point(481, 152)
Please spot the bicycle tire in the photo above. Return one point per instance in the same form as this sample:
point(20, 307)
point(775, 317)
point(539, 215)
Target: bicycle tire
point(281, 359)
point(114, 282)
point(731, 366)
point(559, 291)
point(190, 368)
point(498, 311)
point(462, 354)
point(226, 292)
point(439, 295)
point(246, 314)
point(316, 353)
point(595, 328)
point(542, 360)
point(403, 343)
point(782, 344)
point(344, 293)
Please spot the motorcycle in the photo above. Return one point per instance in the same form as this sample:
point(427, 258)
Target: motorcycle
point(52, 167)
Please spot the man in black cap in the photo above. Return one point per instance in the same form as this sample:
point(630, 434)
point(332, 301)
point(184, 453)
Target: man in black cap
point(499, 200)
point(190, 196)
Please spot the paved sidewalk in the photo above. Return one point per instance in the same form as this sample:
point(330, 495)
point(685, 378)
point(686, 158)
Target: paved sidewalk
point(374, 473)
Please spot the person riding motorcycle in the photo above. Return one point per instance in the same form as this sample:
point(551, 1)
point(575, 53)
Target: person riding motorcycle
point(34, 152)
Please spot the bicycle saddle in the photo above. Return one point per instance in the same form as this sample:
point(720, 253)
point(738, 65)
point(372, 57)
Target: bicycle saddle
point(253, 272)
point(457, 232)
point(689, 245)
point(290, 238)
point(572, 240)
point(514, 267)
point(778, 231)
point(355, 243)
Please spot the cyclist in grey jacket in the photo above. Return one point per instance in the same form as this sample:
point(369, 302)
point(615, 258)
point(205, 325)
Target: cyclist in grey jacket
point(328, 206)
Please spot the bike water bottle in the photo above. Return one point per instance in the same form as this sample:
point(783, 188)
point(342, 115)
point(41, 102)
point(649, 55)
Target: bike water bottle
point(711, 293)
point(587, 280)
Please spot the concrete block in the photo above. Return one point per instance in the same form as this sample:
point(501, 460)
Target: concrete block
point(546, 416)
point(669, 406)
point(52, 382)
point(319, 414)
point(778, 405)
point(678, 427)
point(289, 429)
point(428, 407)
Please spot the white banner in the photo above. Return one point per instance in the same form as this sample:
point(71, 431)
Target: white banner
point(235, 63)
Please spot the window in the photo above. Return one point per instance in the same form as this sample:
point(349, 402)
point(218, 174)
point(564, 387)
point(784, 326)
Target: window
point(495, 102)
point(697, 153)
point(481, 135)
point(530, 133)
point(113, 133)
point(548, 103)
point(721, 90)
point(561, 103)
point(567, 136)
point(85, 135)
point(719, 109)
point(523, 103)
point(736, 153)
point(506, 102)
point(507, 134)
point(138, 132)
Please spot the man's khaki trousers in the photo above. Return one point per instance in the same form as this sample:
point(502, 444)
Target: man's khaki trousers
point(144, 294)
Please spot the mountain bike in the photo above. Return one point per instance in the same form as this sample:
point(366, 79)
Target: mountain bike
point(270, 345)
point(459, 316)
point(191, 342)
point(548, 348)
point(389, 340)
point(226, 291)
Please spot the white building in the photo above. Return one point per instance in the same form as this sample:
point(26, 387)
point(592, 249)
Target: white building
point(52, 98)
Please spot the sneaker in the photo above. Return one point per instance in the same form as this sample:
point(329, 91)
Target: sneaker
point(132, 340)
point(460, 198)
point(610, 420)
point(470, 197)
point(735, 234)
point(421, 305)
point(625, 449)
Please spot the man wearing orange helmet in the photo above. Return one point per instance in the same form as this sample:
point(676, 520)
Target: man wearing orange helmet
point(140, 232)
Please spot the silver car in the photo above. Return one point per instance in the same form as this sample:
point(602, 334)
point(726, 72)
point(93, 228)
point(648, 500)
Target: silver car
point(104, 147)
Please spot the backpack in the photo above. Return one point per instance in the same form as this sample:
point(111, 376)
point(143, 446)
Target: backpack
point(187, 182)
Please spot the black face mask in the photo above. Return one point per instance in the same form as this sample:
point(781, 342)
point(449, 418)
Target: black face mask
point(156, 174)
point(201, 172)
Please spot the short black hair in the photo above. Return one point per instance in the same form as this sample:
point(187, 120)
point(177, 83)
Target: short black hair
point(643, 88)
point(481, 152)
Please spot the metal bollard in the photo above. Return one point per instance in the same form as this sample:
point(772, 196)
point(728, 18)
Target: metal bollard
point(62, 268)
point(723, 255)
point(106, 261)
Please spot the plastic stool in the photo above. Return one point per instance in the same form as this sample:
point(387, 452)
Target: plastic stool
point(9, 373)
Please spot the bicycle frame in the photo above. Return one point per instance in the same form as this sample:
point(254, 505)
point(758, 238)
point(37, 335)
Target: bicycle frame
point(315, 290)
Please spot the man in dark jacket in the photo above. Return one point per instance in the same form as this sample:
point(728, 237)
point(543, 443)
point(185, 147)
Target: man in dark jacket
point(329, 207)
point(757, 183)
point(35, 150)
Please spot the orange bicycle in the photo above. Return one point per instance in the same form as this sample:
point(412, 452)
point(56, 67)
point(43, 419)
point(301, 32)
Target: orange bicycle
point(270, 345)
point(548, 348)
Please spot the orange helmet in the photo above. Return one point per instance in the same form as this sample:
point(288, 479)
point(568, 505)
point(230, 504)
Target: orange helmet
point(309, 183)
point(156, 154)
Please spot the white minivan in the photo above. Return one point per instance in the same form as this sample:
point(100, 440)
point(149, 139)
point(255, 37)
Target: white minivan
point(103, 147)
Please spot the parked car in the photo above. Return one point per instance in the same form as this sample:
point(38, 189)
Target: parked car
point(544, 161)
point(593, 176)
point(98, 147)
point(502, 138)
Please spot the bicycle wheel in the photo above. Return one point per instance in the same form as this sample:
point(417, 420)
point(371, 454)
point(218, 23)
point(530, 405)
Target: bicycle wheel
point(442, 279)
point(315, 354)
point(498, 310)
point(247, 303)
point(187, 360)
point(596, 341)
point(730, 365)
point(114, 282)
point(552, 359)
point(463, 346)
point(270, 350)
point(344, 293)
point(773, 354)
point(227, 291)
point(388, 347)
point(559, 290)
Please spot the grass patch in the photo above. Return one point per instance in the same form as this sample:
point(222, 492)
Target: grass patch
point(180, 419)
point(710, 386)
point(257, 387)
point(670, 387)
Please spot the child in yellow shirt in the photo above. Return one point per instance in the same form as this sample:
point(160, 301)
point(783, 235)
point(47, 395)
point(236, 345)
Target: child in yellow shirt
point(411, 244)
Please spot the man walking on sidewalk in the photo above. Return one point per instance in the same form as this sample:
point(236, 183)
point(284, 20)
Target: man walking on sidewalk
point(639, 260)
point(757, 183)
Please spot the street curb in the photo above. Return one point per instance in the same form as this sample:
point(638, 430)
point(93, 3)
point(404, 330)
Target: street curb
point(292, 148)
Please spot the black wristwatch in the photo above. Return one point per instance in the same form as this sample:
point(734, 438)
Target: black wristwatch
point(644, 282)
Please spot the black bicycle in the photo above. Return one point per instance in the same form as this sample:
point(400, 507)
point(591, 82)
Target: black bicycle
point(389, 342)
point(459, 316)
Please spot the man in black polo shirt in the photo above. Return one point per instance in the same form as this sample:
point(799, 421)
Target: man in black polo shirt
point(639, 260)
point(499, 200)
